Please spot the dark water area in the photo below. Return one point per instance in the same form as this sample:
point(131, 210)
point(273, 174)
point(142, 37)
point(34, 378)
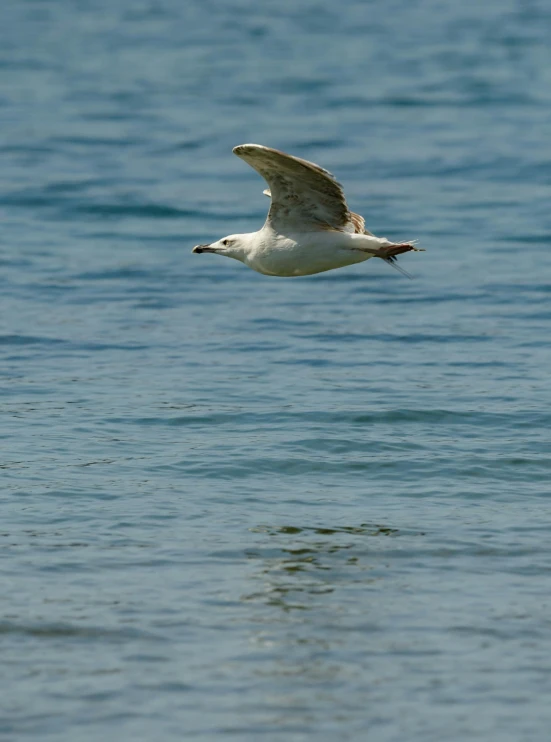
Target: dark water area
point(240, 507)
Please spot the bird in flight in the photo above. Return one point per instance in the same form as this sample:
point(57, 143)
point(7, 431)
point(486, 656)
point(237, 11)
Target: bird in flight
point(309, 228)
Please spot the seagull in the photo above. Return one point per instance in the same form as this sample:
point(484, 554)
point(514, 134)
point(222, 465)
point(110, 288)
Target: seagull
point(309, 228)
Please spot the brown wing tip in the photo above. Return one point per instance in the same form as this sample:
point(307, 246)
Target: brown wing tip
point(242, 149)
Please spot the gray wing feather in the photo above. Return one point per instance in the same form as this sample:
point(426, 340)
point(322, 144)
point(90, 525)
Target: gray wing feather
point(303, 194)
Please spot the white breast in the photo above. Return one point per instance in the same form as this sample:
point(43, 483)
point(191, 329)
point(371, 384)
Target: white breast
point(303, 254)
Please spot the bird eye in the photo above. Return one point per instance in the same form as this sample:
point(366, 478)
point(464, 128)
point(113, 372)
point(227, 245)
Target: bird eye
point(225, 243)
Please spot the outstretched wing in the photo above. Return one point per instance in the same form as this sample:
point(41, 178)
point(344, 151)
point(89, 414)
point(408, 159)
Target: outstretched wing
point(304, 195)
point(357, 221)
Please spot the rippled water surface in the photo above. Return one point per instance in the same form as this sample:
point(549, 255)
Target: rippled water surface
point(239, 507)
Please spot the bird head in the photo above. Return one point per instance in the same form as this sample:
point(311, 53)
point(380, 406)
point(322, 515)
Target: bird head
point(233, 246)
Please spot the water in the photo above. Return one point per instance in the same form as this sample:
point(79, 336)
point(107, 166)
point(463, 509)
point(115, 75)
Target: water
point(237, 507)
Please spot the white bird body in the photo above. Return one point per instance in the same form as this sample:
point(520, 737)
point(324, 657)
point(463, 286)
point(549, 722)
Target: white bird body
point(309, 228)
point(300, 253)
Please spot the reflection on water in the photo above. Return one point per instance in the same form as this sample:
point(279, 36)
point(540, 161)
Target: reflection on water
point(312, 632)
point(303, 562)
point(156, 406)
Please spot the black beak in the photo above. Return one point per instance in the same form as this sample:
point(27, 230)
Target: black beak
point(202, 248)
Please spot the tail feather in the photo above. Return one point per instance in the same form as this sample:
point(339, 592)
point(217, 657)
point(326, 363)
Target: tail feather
point(389, 254)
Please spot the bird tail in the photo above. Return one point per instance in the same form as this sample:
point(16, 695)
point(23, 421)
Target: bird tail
point(389, 254)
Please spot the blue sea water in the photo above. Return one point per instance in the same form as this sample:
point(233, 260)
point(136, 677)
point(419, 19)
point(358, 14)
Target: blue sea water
point(237, 507)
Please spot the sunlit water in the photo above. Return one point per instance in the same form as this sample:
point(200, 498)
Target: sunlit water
point(239, 507)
